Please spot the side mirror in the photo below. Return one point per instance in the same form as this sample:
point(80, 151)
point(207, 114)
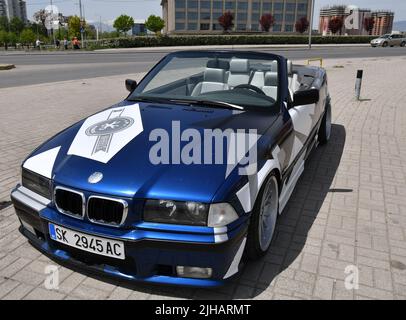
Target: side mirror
point(304, 97)
point(130, 84)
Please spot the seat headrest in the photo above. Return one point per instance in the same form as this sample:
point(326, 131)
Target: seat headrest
point(214, 75)
point(290, 67)
point(239, 66)
point(218, 64)
point(271, 79)
point(274, 66)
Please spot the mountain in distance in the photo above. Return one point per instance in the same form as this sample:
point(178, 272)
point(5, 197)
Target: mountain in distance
point(106, 26)
point(399, 26)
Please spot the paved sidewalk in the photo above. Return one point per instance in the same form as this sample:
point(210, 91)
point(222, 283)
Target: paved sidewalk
point(348, 209)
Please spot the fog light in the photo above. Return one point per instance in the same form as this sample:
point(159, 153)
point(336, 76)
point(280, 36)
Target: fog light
point(27, 226)
point(194, 272)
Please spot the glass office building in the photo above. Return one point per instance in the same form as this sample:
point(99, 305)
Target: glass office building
point(201, 16)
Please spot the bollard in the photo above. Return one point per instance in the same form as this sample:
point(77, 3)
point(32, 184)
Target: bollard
point(358, 84)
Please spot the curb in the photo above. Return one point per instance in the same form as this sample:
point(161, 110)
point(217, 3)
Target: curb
point(7, 66)
point(230, 47)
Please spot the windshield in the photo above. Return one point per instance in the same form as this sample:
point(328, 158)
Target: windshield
point(385, 36)
point(221, 79)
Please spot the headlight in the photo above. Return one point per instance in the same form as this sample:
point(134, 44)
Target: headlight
point(176, 212)
point(36, 183)
point(189, 213)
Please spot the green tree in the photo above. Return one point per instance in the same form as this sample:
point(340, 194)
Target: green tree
point(90, 31)
point(4, 23)
point(61, 33)
point(17, 25)
point(155, 24)
point(12, 39)
point(109, 35)
point(38, 29)
point(27, 37)
point(74, 26)
point(123, 23)
point(4, 38)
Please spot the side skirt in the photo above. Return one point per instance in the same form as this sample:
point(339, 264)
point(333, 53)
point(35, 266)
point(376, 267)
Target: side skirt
point(290, 186)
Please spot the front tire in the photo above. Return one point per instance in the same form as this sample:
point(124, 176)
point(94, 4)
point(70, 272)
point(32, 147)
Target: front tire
point(263, 221)
point(403, 44)
point(385, 44)
point(325, 127)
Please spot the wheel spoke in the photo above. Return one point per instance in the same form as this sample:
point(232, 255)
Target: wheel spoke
point(268, 213)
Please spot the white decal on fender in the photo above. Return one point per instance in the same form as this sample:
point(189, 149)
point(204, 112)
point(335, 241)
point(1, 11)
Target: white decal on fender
point(238, 147)
point(302, 118)
point(43, 162)
point(249, 192)
point(233, 269)
point(104, 134)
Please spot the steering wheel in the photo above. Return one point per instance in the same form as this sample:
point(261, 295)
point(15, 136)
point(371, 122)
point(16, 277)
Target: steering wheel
point(250, 87)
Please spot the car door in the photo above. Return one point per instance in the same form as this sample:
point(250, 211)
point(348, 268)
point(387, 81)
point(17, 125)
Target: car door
point(395, 40)
point(305, 118)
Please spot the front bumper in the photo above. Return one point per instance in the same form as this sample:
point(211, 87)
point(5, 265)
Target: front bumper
point(152, 253)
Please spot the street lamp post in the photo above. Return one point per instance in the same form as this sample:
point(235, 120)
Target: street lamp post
point(311, 23)
point(98, 29)
point(81, 27)
point(52, 23)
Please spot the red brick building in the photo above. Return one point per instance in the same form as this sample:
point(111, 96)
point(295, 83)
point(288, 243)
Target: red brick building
point(383, 22)
point(354, 18)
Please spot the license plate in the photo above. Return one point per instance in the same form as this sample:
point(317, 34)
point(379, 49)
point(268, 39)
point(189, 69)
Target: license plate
point(101, 246)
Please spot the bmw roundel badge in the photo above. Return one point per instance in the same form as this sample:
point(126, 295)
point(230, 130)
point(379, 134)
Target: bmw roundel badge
point(95, 177)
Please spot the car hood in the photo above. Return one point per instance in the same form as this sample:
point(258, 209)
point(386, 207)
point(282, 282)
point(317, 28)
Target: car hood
point(117, 142)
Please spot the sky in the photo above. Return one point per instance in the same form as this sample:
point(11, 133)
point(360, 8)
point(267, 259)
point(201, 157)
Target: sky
point(108, 10)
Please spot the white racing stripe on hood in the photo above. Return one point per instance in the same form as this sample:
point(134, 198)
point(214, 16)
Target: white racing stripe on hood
point(42, 163)
point(104, 134)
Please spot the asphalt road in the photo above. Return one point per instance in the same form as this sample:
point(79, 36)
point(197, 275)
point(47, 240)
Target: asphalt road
point(35, 68)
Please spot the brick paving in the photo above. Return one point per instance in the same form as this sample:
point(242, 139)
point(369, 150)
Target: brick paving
point(349, 207)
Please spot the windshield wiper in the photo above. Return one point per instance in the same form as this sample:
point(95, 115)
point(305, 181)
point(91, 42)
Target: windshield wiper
point(189, 102)
point(209, 103)
point(148, 99)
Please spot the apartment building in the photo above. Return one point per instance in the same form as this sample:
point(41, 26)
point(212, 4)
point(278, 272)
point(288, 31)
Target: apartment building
point(383, 22)
point(201, 16)
point(13, 8)
point(355, 18)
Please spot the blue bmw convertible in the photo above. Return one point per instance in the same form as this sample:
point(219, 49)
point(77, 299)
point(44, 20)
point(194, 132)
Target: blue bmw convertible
point(185, 178)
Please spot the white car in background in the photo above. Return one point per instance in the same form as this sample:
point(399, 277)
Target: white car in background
point(389, 40)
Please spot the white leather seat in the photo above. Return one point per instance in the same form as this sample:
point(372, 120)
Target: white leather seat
point(239, 72)
point(258, 78)
point(213, 80)
point(290, 68)
point(293, 83)
point(274, 66)
point(271, 84)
